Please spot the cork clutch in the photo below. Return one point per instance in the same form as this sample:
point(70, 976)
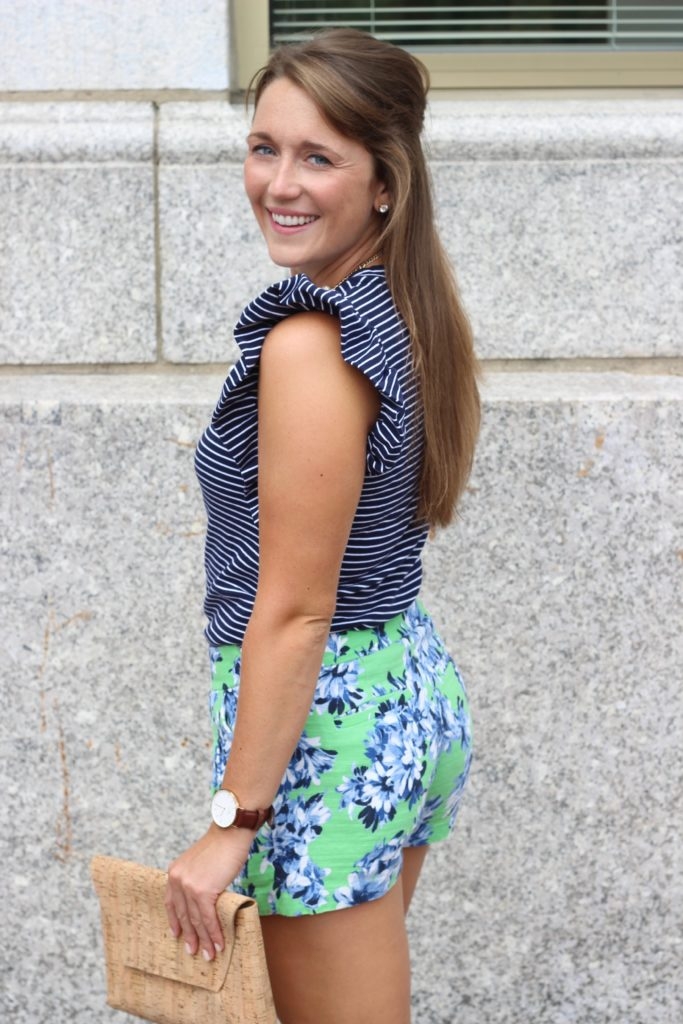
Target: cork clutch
point(149, 973)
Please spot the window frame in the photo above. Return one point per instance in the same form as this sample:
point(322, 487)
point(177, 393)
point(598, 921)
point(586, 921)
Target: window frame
point(514, 69)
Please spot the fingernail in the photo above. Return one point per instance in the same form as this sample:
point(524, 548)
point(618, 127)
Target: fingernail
point(188, 949)
point(218, 947)
point(206, 954)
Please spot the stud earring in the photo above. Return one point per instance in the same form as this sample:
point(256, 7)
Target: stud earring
point(384, 208)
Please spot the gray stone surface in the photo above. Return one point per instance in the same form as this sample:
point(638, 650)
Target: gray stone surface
point(105, 748)
point(76, 132)
point(202, 133)
point(557, 129)
point(561, 586)
point(77, 281)
point(559, 591)
point(96, 44)
point(214, 257)
point(567, 259)
point(214, 260)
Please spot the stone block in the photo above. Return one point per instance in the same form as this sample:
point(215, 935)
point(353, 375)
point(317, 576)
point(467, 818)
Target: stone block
point(77, 201)
point(567, 259)
point(558, 590)
point(203, 133)
point(214, 256)
point(563, 220)
point(94, 44)
point(214, 260)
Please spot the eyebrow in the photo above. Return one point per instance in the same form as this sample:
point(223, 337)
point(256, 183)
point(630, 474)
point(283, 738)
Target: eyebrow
point(304, 144)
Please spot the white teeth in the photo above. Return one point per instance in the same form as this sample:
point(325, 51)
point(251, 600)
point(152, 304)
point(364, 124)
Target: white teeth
point(291, 222)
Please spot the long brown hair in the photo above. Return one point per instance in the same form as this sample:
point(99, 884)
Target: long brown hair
point(376, 93)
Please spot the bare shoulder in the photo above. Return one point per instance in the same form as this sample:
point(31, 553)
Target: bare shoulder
point(303, 354)
point(304, 335)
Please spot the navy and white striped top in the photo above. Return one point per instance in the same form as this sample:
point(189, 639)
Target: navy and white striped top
point(381, 570)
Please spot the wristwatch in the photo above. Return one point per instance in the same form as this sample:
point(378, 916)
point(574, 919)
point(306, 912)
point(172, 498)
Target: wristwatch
point(227, 813)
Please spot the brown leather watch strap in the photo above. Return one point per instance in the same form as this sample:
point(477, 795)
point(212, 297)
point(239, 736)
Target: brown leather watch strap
point(252, 820)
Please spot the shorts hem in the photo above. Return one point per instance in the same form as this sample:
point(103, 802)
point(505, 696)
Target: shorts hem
point(265, 908)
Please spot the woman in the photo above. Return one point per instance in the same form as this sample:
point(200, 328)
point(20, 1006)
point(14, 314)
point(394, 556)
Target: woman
point(344, 434)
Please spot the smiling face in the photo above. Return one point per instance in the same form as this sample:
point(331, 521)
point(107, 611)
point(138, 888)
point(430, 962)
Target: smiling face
point(314, 192)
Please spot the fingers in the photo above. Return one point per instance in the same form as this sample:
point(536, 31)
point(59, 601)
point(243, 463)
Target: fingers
point(195, 881)
point(173, 921)
point(206, 926)
point(192, 916)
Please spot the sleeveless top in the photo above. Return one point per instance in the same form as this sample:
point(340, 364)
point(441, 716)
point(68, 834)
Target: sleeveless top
point(381, 569)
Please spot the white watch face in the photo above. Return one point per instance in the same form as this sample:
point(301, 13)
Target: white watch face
point(224, 808)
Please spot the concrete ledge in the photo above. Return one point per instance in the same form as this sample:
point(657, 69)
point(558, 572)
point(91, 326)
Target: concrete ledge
point(466, 130)
point(46, 391)
point(76, 132)
point(555, 129)
point(214, 132)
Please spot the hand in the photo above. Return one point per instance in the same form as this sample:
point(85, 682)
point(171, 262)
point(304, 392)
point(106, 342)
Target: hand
point(196, 880)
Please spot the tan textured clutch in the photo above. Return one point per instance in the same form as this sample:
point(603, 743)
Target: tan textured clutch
point(149, 974)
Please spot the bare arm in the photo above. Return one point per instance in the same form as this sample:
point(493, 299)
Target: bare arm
point(315, 413)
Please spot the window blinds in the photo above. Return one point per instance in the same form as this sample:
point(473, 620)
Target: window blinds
point(435, 26)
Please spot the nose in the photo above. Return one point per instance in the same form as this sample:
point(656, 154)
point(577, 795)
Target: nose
point(284, 183)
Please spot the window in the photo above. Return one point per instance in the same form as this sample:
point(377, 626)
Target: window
point(491, 44)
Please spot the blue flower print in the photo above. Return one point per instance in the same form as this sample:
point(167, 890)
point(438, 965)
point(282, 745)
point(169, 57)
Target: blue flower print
point(359, 890)
point(393, 685)
point(382, 857)
point(335, 692)
point(424, 655)
point(423, 833)
point(454, 800)
point(371, 790)
point(401, 750)
point(304, 881)
point(445, 726)
point(306, 817)
point(464, 724)
point(223, 710)
point(375, 873)
point(215, 656)
point(379, 642)
point(351, 788)
point(336, 645)
point(377, 797)
point(309, 761)
point(396, 750)
point(286, 849)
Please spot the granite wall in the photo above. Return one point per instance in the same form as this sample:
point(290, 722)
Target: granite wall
point(127, 253)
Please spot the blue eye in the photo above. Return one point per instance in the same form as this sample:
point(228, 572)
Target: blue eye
point(319, 160)
point(262, 149)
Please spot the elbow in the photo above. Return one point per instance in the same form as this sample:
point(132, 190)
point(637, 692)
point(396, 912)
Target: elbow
point(310, 621)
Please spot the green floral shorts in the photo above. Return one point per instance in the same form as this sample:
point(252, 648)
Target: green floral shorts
point(381, 765)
